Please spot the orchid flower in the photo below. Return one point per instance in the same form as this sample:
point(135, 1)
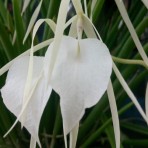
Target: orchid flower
point(80, 61)
point(77, 69)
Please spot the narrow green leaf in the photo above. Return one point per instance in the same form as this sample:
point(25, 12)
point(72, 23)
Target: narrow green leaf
point(109, 132)
point(6, 122)
point(6, 17)
point(139, 129)
point(18, 25)
point(141, 143)
point(97, 9)
point(3, 12)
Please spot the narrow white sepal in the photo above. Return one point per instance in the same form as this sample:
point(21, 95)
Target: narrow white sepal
point(25, 5)
point(146, 101)
point(78, 6)
point(70, 21)
point(129, 92)
point(89, 21)
point(32, 21)
point(50, 22)
point(73, 29)
point(88, 28)
point(65, 139)
point(114, 113)
point(32, 143)
point(30, 68)
point(85, 8)
point(62, 14)
point(145, 2)
point(73, 136)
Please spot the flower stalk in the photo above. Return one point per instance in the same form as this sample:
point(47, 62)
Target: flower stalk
point(130, 62)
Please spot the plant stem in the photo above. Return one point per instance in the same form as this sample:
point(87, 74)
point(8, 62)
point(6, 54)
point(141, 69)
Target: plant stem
point(127, 61)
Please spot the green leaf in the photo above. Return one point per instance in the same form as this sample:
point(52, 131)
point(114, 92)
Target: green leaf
point(6, 17)
point(5, 41)
point(109, 132)
point(98, 132)
point(139, 129)
point(97, 9)
point(19, 26)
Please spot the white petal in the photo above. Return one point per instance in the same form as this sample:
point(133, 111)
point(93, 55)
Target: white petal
point(13, 91)
point(80, 77)
point(114, 112)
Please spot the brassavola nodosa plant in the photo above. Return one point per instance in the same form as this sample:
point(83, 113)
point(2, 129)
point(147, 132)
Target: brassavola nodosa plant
point(76, 66)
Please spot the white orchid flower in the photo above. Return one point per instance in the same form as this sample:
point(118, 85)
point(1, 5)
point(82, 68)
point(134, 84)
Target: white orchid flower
point(84, 79)
point(80, 76)
point(77, 69)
